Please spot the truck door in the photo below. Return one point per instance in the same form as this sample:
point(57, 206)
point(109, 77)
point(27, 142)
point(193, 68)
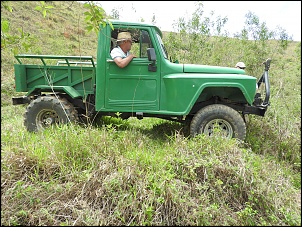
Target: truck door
point(133, 88)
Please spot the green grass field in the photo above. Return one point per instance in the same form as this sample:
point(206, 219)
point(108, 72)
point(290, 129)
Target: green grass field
point(145, 172)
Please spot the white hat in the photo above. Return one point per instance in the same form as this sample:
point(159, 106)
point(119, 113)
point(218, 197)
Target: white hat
point(123, 36)
point(240, 65)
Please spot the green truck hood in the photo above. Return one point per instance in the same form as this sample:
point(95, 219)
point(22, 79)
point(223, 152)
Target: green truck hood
point(191, 68)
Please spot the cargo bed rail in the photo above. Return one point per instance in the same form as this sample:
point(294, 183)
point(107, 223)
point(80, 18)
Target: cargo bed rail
point(76, 63)
point(84, 60)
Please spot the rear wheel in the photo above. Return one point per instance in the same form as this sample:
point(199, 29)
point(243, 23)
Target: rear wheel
point(46, 111)
point(218, 119)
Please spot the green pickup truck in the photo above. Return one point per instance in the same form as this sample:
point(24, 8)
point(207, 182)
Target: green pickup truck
point(209, 99)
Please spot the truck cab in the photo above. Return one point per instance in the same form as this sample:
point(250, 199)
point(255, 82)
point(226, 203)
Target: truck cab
point(135, 87)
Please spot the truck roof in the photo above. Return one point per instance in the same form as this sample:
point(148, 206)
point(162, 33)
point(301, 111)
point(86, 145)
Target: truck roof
point(131, 23)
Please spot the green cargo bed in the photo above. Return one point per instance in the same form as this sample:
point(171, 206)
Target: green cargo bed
point(59, 73)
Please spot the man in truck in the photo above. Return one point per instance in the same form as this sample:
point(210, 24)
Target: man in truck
point(121, 53)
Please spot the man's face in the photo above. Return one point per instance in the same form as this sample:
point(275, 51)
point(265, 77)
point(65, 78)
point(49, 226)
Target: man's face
point(128, 45)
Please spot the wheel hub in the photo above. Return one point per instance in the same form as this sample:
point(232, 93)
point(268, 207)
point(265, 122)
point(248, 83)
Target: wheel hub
point(218, 127)
point(46, 118)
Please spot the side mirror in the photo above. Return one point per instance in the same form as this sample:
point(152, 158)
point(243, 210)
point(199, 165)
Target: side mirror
point(151, 57)
point(151, 54)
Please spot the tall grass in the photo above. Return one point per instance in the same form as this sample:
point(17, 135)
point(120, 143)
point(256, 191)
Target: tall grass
point(125, 174)
point(146, 172)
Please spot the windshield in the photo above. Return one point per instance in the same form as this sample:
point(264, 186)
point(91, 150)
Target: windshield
point(162, 46)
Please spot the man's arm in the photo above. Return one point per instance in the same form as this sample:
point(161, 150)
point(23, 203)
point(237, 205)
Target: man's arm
point(123, 62)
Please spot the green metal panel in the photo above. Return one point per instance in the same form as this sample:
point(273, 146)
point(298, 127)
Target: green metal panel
point(133, 88)
point(66, 89)
point(191, 68)
point(183, 90)
point(20, 78)
point(180, 90)
point(102, 53)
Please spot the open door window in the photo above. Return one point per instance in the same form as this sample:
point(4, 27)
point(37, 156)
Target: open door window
point(140, 41)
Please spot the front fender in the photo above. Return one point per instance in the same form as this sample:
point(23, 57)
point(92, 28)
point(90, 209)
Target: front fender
point(182, 91)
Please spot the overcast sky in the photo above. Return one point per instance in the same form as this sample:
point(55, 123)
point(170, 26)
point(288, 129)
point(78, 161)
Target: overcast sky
point(285, 14)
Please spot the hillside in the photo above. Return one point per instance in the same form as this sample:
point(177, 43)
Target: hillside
point(144, 172)
point(61, 32)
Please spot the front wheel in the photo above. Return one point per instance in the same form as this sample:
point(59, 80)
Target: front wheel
point(46, 111)
point(218, 119)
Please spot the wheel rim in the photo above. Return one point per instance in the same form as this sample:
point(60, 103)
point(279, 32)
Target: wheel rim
point(46, 118)
point(218, 127)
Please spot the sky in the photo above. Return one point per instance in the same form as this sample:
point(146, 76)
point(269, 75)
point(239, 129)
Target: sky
point(284, 14)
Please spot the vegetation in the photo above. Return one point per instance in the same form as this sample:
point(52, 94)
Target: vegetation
point(147, 172)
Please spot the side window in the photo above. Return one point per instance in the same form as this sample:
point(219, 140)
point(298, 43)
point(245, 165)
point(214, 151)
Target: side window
point(145, 43)
point(141, 41)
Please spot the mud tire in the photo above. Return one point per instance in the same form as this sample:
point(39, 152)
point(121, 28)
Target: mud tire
point(46, 111)
point(217, 116)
